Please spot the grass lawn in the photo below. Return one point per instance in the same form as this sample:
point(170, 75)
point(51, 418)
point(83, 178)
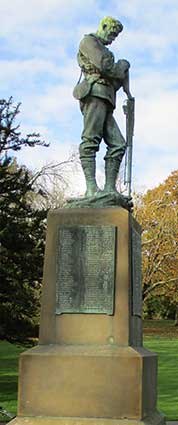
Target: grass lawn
point(9, 355)
point(167, 350)
point(163, 342)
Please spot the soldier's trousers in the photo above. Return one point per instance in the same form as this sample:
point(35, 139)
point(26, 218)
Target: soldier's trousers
point(99, 124)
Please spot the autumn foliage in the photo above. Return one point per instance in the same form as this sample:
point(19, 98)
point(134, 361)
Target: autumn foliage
point(157, 211)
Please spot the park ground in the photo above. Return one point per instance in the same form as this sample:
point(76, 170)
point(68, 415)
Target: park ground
point(159, 336)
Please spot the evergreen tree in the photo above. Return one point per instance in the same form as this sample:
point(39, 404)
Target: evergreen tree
point(22, 231)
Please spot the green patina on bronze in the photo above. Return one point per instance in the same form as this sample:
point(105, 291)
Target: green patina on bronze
point(102, 200)
point(111, 24)
point(85, 269)
point(97, 95)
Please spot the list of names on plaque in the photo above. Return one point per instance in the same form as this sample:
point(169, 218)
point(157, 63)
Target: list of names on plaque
point(85, 269)
point(136, 273)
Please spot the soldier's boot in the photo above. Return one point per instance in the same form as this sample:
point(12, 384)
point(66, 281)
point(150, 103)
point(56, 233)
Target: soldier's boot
point(89, 169)
point(111, 172)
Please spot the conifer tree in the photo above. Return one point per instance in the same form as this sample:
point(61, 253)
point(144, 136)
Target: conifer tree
point(21, 231)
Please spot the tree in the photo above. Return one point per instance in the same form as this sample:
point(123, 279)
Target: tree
point(54, 182)
point(21, 230)
point(10, 135)
point(157, 214)
point(25, 198)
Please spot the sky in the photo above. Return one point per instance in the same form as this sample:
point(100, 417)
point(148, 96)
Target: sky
point(39, 41)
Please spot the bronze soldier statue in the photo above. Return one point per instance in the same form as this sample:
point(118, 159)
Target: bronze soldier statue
point(97, 94)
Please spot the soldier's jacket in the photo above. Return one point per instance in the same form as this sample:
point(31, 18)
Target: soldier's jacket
point(100, 70)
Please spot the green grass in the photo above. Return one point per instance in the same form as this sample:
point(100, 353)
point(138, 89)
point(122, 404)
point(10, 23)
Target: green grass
point(9, 356)
point(167, 350)
point(165, 347)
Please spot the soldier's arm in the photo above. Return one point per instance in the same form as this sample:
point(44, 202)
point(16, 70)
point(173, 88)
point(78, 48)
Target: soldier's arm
point(102, 59)
point(92, 50)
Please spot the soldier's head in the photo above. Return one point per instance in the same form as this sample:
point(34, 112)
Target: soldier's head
point(108, 30)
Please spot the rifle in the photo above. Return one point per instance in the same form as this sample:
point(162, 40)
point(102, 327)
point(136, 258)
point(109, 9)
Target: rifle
point(129, 111)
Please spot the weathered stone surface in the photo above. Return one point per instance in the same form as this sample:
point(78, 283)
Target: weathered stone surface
point(155, 418)
point(87, 328)
point(88, 381)
point(86, 369)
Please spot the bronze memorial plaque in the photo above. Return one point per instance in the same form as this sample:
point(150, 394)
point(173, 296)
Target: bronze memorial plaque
point(136, 274)
point(85, 269)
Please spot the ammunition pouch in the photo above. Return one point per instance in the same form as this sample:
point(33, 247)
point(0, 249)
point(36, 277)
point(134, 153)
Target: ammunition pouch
point(82, 89)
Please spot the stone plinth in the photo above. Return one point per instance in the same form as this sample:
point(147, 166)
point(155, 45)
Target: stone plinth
point(87, 381)
point(90, 367)
point(91, 328)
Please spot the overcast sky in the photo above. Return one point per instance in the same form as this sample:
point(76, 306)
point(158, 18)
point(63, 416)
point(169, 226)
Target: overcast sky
point(38, 67)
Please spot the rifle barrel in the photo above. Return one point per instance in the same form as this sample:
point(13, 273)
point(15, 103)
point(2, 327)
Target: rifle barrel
point(129, 110)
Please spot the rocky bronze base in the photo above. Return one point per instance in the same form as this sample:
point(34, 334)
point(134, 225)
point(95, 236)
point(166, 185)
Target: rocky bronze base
point(102, 200)
point(155, 418)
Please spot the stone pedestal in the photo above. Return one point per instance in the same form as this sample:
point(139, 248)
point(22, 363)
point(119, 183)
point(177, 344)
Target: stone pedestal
point(90, 366)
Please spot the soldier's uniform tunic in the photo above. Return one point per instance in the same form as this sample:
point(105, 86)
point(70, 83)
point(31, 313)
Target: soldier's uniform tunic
point(105, 77)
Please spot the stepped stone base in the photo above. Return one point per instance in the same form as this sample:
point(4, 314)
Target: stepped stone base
point(155, 418)
point(87, 382)
point(90, 367)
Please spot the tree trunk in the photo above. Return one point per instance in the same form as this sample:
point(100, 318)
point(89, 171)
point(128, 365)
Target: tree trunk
point(176, 316)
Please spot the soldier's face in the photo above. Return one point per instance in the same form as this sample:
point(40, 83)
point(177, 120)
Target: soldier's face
point(109, 36)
